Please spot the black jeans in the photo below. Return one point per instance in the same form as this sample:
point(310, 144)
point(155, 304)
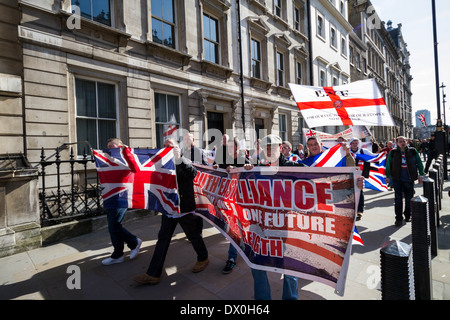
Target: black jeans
point(119, 235)
point(191, 228)
point(400, 188)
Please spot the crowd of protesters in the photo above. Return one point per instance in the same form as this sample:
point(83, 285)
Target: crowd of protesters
point(404, 166)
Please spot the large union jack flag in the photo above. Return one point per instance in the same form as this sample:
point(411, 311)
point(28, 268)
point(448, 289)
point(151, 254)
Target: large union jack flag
point(333, 157)
point(138, 179)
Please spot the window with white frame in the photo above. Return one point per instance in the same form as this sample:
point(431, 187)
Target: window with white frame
point(211, 38)
point(96, 10)
point(163, 22)
point(282, 126)
point(167, 115)
point(320, 26)
point(278, 7)
point(256, 58)
point(96, 112)
point(343, 46)
point(333, 37)
point(322, 78)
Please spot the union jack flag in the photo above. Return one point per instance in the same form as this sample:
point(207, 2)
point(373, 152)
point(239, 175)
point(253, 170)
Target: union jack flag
point(333, 157)
point(377, 174)
point(423, 119)
point(138, 179)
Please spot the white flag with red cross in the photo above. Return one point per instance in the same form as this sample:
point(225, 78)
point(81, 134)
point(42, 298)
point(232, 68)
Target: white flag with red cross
point(356, 103)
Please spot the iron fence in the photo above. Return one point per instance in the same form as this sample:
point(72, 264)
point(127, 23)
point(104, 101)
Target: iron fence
point(81, 199)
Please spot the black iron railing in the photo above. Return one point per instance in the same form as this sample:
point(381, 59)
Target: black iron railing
point(79, 200)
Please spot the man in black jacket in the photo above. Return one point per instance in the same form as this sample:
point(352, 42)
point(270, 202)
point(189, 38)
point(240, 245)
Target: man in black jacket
point(185, 179)
point(432, 152)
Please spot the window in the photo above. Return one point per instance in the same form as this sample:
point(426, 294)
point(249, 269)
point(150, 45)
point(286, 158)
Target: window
point(333, 37)
point(280, 69)
point(299, 17)
point(298, 73)
point(320, 27)
point(322, 78)
point(256, 59)
point(96, 113)
point(96, 10)
point(163, 22)
point(282, 124)
point(343, 47)
point(278, 7)
point(167, 112)
point(211, 38)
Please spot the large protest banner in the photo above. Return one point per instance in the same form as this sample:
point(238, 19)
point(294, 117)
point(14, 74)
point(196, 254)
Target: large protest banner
point(297, 221)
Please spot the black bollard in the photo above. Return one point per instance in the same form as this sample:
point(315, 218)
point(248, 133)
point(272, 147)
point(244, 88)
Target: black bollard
point(433, 174)
point(428, 192)
point(396, 271)
point(438, 168)
point(421, 248)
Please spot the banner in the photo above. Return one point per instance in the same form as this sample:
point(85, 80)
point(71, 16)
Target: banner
point(294, 220)
point(356, 103)
point(138, 179)
point(329, 140)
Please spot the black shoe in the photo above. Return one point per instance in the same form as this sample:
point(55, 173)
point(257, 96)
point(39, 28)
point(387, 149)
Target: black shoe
point(398, 223)
point(228, 267)
point(408, 219)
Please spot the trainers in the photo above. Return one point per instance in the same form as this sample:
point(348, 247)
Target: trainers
point(135, 251)
point(200, 265)
point(146, 279)
point(228, 267)
point(109, 261)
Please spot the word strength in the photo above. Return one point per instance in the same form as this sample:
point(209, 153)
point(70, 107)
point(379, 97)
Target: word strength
point(228, 309)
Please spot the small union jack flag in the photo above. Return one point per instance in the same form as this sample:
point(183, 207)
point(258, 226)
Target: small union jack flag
point(138, 179)
point(423, 119)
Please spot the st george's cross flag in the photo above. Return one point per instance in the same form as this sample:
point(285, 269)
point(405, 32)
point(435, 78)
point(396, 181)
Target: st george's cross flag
point(356, 103)
point(138, 179)
point(170, 129)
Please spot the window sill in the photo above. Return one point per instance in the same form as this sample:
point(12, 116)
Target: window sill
point(161, 51)
point(259, 83)
point(216, 69)
point(121, 36)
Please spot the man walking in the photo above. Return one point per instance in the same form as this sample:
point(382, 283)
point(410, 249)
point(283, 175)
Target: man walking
point(403, 166)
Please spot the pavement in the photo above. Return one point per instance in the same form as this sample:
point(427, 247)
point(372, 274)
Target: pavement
point(72, 269)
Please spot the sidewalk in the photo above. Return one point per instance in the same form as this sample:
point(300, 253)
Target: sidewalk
point(41, 274)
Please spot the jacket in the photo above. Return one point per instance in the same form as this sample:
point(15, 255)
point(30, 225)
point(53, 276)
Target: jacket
point(186, 173)
point(394, 164)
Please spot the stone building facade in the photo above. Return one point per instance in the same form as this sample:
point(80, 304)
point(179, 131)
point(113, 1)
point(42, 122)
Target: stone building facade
point(380, 52)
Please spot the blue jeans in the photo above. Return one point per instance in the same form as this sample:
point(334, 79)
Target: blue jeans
point(400, 188)
point(232, 253)
point(119, 235)
point(262, 286)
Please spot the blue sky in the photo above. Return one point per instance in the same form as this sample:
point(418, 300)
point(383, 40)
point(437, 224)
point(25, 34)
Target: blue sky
point(417, 29)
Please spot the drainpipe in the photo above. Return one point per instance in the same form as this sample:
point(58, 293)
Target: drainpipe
point(311, 74)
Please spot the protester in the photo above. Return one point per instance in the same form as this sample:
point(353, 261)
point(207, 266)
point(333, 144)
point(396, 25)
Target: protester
point(286, 151)
point(355, 149)
point(186, 173)
point(300, 151)
point(432, 152)
point(221, 152)
point(423, 148)
point(315, 147)
point(119, 235)
point(271, 145)
point(375, 146)
point(388, 148)
point(192, 152)
point(234, 157)
point(402, 166)
point(258, 155)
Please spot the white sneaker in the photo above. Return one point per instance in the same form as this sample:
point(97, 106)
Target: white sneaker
point(109, 261)
point(135, 251)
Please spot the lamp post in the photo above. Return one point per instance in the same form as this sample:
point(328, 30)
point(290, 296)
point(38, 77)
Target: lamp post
point(441, 141)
